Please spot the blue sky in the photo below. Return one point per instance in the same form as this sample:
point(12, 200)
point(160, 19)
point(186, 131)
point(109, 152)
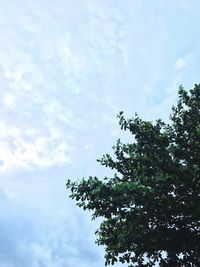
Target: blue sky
point(66, 69)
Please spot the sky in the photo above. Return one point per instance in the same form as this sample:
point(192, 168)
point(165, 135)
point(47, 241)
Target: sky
point(66, 69)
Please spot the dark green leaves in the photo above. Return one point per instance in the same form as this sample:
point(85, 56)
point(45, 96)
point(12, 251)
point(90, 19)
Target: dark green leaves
point(150, 207)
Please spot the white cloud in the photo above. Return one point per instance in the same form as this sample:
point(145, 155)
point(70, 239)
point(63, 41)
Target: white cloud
point(41, 151)
point(9, 101)
point(65, 72)
point(45, 71)
point(56, 65)
point(180, 64)
point(73, 63)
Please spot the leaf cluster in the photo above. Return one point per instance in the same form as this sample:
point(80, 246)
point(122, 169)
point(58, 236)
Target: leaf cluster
point(151, 206)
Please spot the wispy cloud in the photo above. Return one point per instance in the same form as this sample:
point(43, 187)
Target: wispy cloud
point(52, 73)
point(66, 69)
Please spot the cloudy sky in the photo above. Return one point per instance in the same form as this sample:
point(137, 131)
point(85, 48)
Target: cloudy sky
point(66, 69)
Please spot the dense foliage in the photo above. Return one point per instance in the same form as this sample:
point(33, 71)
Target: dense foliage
point(151, 207)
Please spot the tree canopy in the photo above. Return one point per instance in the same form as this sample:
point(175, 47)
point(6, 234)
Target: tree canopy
point(151, 205)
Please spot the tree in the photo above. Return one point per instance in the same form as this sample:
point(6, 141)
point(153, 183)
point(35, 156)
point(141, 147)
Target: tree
point(151, 205)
